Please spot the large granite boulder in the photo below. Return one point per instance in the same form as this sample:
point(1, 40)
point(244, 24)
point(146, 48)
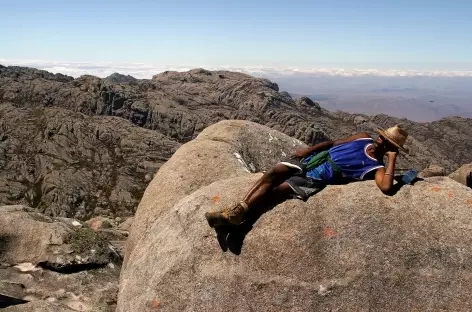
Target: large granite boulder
point(225, 150)
point(349, 248)
point(463, 175)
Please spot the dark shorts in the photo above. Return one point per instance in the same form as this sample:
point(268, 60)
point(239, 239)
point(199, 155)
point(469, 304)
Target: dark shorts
point(302, 185)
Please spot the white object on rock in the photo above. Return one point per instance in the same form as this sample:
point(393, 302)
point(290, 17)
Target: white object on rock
point(76, 223)
point(26, 267)
point(323, 291)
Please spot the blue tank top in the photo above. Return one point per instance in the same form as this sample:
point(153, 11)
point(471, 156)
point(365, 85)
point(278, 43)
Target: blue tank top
point(353, 160)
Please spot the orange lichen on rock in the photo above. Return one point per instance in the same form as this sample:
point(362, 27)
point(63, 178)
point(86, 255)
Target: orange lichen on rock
point(155, 303)
point(328, 232)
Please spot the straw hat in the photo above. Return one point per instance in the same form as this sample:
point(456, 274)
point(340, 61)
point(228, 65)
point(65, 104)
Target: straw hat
point(395, 135)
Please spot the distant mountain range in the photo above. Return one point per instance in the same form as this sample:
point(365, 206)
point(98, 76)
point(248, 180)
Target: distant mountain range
point(399, 103)
point(415, 98)
point(89, 146)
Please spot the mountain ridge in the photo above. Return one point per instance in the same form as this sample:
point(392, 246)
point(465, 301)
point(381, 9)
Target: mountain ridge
point(170, 109)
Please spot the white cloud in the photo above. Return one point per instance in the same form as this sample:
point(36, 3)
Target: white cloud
point(140, 70)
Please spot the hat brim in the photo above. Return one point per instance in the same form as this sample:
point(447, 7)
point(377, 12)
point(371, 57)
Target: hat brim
point(385, 135)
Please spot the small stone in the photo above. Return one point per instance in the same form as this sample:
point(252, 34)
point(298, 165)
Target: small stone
point(432, 171)
point(30, 298)
point(60, 292)
point(76, 223)
point(99, 223)
point(126, 225)
point(77, 305)
point(323, 291)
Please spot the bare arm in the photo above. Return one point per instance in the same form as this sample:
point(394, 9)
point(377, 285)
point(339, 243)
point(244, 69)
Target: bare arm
point(302, 153)
point(384, 177)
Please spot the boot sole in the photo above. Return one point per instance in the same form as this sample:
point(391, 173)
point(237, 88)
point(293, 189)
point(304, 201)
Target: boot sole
point(217, 222)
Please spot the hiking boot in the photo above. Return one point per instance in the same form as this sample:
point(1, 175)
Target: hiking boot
point(229, 216)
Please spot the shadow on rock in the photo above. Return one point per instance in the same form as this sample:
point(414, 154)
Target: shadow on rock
point(401, 182)
point(232, 237)
point(5, 242)
point(6, 301)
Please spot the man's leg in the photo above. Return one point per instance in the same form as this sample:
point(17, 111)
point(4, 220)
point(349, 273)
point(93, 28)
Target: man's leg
point(272, 178)
point(281, 193)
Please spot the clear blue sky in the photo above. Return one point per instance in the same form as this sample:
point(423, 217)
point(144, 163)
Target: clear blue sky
point(415, 34)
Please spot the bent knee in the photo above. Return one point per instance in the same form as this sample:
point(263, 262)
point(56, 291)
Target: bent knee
point(278, 171)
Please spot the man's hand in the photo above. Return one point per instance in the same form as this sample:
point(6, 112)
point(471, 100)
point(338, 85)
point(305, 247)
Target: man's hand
point(392, 150)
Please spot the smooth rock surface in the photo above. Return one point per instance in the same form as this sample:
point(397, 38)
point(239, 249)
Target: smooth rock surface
point(224, 150)
point(349, 248)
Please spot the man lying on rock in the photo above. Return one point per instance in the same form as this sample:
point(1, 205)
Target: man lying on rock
point(309, 170)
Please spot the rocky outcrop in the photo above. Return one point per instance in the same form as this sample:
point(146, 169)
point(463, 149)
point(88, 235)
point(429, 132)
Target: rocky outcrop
point(72, 165)
point(348, 248)
point(432, 171)
point(45, 290)
point(308, 102)
point(443, 142)
point(83, 175)
point(463, 175)
point(181, 104)
point(59, 244)
point(119, 78)
point(38, 306)
point(55, 263)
